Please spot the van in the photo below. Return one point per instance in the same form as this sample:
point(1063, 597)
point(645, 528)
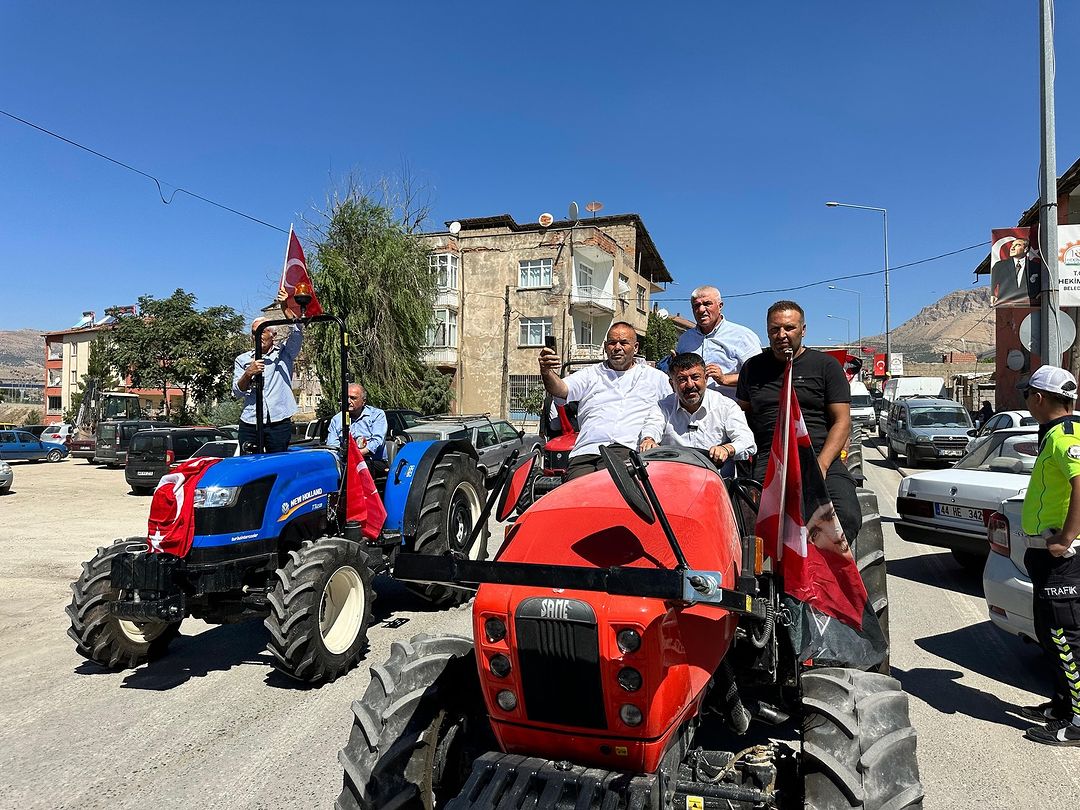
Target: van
point(151, 453)
point(900, 387)
point(113, 438)
point(928, 429)
point(862, 407)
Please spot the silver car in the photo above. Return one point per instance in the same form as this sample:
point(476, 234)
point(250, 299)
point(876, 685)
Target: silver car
point(1006, 584)
point(6, 477)
point(494, 439)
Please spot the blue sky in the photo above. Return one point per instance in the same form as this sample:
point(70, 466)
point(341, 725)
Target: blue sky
point(726, 126)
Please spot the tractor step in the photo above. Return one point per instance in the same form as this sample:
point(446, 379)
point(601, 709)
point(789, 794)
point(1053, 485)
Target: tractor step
point(506, 781)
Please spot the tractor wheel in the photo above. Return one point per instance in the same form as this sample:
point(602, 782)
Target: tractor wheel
point(858, 744)
point(417, 729)
point(100, 636)
point(453, 502)
point(854, 460)
point(320, 610)
point(869, 552)
point(54, 455)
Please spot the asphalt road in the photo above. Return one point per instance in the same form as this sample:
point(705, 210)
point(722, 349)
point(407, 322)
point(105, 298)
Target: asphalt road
point(212, 725)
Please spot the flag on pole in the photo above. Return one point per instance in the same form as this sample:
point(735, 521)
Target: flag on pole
point(364, 506)
point(799, 526)
point(171, 526)
point(295, 275)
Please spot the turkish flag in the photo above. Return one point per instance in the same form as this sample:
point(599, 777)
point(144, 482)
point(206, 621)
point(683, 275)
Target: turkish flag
point(295, 274)
point(364, 504)
point(798, 523)
point(171, 526)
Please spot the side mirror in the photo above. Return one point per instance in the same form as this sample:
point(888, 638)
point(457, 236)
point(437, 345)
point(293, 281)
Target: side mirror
point(973, 432)
point(515, 487)
point(521, 433)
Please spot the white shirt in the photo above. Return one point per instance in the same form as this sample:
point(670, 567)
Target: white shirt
point(718, 420)
point(729, 345)
point(612, 405)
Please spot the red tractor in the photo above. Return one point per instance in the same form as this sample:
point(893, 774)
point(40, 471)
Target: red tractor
point(630, 650)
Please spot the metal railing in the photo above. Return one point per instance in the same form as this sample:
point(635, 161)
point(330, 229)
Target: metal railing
point(594, 296)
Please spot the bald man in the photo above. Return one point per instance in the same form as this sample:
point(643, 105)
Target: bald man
point(367, 424)
point(275, 367)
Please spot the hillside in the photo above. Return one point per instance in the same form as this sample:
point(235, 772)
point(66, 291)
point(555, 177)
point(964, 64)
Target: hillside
point(22, 355)
point(961, 321)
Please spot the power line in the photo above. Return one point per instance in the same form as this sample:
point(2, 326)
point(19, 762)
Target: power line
point(157, 182)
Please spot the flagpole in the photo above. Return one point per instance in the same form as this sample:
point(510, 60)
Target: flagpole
point(285, 264)
point(783, 479)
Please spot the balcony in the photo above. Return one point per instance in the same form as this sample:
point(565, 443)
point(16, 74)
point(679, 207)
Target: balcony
point(441, 355)
point(591, 299)
point(586, 351)
point(448, 298)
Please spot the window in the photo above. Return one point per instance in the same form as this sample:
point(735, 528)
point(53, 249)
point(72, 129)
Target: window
point(624, 286)
point(56, 404)
point(445, 267)
point(641, 298)
point(485, 437)
point(55, 378)
point(533, 331)
point(74, 375)
point(584, 335)
point(526, 396)
point(443, 331)
point(56, 351)
point(506, 432)
point(584, 274)
point(74, 349)
point(534, 273)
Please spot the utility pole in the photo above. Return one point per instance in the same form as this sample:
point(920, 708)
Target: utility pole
point(1050, 348)
point(503, 407)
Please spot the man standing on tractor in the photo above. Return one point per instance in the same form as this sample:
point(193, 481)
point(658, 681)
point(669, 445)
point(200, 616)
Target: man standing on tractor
point(275, 367)
point(724, 344)
point(698, 416)
point(613, 397)
point(367, 425)
point(1052, 513)
point(824, 396)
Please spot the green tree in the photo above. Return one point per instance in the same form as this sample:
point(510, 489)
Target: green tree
point(532, 401)
point(434, 394)
point(33, 417)
point(99, 370)
point(171, 344)
point(660, 337)
point(370, 267)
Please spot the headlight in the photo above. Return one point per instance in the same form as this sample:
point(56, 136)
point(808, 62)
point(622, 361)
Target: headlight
point(209, 497)
point(923, 440)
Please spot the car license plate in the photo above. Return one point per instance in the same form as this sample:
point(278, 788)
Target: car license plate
point(962, 512)
point(144, 472)
point(952, 452)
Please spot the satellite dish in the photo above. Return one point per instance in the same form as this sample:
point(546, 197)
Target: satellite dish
point(545, 220)
point(662, 313)
point(455, 227)
point(594, 206)
point(572, 214)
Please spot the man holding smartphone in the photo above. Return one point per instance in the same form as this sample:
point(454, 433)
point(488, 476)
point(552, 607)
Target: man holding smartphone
point(614, 397)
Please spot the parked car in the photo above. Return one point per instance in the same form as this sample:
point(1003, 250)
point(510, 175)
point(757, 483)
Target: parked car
point(232, 430)
point(35, 430)
point(113, 438)
point(398, 420)
point(218, 448)
point(950, 508)
point(927, 429)
point(999, 421)
point(7, 476)
point(151, 453)
point(61, 434)
point(1006, 584)
point(20, 445)
point(494, 439)
point(83, 448)
point(862, 407)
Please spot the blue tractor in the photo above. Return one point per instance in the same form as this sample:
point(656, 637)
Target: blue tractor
point(271, 541)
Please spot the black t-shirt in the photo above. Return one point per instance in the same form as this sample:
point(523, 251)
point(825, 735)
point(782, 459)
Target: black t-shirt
point(819, 381)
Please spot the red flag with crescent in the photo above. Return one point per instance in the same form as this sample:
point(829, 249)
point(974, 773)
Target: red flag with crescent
point(364, 504)
point(171, 526)
point(295, 276)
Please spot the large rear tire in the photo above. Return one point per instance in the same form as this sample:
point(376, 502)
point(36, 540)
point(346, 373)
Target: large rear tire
point(99, 635)
point(869, 553)
point(452, 506)
point(858, 742)
point(417, 729)
point(320, 610)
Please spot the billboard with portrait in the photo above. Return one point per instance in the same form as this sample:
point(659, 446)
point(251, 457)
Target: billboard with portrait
point(1015, 270)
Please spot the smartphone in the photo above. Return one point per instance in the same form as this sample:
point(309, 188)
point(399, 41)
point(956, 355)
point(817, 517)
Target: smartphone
point(549, 342)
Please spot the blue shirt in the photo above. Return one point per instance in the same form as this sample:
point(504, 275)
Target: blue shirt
point(729, 345)
point(278, 400)
point(370, 425)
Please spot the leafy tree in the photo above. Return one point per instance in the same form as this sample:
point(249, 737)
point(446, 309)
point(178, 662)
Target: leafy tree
point(434, 394)
point(660, 337)
point(33, 417)
point(171, 344)
point(99, 370)
point(532, 401)
point(370, 267)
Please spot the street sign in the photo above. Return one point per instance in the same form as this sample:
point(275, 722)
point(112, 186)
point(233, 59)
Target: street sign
point(896, 365)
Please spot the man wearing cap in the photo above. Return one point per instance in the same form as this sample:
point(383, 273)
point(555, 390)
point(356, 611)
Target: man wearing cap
point(1051, 519)
point(724, 344)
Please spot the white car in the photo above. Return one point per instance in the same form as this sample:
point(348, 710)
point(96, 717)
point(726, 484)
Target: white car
point(999, 421)
point(1006, 584)
point(950, 508)
point(6, 477)
point(60, 433)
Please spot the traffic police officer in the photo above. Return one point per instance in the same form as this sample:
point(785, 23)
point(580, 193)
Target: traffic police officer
point(1052, 513)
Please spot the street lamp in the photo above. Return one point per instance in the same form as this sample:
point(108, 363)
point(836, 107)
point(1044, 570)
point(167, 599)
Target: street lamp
point(885, 222)
point(846, 321)
point(858, 309)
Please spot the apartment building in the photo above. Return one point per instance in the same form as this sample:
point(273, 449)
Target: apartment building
point(505, 286)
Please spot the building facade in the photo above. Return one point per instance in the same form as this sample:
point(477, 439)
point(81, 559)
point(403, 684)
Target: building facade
point(504, 287)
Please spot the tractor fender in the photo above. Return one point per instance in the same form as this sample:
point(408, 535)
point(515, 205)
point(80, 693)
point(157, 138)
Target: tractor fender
point(408, 477)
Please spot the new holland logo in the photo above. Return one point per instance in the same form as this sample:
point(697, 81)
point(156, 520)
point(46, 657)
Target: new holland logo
point(284, 507)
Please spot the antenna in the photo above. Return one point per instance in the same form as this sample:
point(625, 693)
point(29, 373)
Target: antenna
point(593, 207)
point(455, 227)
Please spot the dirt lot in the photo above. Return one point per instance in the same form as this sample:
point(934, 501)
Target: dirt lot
point(210, 725)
